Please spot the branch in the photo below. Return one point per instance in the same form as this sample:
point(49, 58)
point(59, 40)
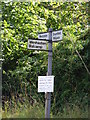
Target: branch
point(83, 62)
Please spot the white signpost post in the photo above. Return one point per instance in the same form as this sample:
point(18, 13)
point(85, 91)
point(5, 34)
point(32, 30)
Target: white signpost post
point(46, 83)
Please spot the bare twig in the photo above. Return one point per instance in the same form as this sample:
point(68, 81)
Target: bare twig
point(83, 62)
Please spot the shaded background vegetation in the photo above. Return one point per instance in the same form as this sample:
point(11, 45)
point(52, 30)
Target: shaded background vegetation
point(71, 56)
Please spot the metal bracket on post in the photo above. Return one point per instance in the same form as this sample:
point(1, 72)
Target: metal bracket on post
point(48, 94)
point(49, 50)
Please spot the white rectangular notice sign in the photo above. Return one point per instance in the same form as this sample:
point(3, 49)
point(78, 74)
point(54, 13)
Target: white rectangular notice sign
point(56, 35)
point(44, 36)
point(45, 84)
point(36, 44)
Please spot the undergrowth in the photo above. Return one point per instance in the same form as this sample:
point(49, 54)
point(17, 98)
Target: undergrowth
point(25, 110)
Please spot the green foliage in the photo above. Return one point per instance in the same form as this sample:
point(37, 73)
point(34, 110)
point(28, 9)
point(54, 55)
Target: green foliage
point(20, 22)
point(71, 76)
point(21, 67)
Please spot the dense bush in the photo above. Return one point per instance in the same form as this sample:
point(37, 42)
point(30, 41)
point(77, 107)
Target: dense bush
point(21, 67)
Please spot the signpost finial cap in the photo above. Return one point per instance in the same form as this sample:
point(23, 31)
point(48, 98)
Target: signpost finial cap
point(50, 29)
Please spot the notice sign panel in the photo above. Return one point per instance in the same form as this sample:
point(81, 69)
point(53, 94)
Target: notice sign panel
point(45, 84)
point(56, 35)
point(36, 44)
point(44, 36)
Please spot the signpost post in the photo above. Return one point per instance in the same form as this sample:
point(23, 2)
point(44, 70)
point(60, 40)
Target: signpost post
point(40, 44)
point(48, 94)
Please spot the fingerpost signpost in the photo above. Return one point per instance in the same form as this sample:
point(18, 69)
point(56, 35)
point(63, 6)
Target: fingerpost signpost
point(46, 83)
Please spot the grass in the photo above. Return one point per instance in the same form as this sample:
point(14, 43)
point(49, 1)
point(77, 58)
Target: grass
point(0, 110)
point(74, 112)
point(25, 110)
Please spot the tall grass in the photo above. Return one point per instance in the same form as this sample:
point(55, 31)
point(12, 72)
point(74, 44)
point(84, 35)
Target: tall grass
point(0, 110)
point(73, 112)
point(25, 110)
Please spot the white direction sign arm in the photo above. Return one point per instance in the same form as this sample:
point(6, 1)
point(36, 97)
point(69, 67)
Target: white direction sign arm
point(36, 44)
point(57, 35)
point(43, 36)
